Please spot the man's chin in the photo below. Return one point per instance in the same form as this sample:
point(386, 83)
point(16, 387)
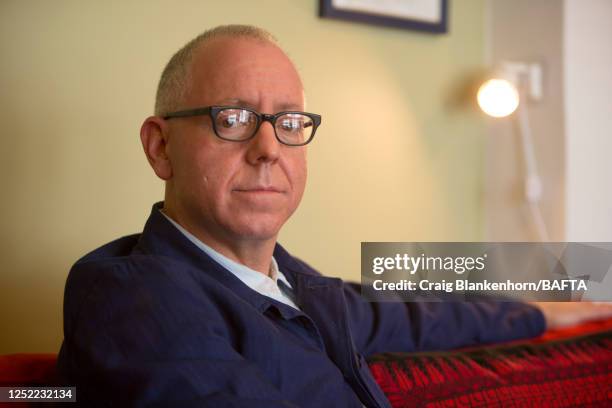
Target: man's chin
point(256, 228)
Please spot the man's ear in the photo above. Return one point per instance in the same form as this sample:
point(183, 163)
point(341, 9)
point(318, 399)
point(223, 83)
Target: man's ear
point(153, 135)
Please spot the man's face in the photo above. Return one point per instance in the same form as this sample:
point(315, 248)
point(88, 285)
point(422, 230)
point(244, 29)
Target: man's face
point(236, 190)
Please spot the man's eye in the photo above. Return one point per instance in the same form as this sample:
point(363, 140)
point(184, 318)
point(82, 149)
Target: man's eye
point(235, 119)
point(229, 121)
point(292, 125)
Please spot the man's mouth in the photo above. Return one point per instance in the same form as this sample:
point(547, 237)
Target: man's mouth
point(259, 190)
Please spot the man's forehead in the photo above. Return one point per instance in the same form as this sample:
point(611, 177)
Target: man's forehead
point(244, 72)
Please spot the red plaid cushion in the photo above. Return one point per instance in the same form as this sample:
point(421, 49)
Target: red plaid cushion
point(567, 368)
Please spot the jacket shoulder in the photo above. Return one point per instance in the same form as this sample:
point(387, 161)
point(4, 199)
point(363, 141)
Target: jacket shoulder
point(117, 248)
point(119, 276)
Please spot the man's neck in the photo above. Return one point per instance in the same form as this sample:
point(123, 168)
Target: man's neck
point(253, 253)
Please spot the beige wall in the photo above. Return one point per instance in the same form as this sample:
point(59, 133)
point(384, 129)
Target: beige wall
point(396, 158)
point(528, 31)
point(571, 125)
point(588, 119)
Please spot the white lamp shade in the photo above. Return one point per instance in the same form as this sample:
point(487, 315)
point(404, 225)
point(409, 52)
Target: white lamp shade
point(498, 98)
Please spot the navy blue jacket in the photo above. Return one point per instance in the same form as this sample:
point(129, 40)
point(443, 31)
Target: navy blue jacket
point(150, 320)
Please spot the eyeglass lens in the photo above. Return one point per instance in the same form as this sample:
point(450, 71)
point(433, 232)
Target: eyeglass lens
point(240, 124)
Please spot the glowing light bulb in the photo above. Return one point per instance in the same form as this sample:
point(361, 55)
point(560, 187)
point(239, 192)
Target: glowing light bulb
point(498, 98)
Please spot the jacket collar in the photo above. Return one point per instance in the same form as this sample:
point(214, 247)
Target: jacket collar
point(161, 238)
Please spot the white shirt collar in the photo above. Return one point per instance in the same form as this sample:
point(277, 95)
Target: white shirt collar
point(265, 285)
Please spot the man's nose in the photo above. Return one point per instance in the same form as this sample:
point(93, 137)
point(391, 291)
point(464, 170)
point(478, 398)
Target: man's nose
point(263, 147)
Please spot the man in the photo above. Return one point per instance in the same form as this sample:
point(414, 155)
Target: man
point(204, 308)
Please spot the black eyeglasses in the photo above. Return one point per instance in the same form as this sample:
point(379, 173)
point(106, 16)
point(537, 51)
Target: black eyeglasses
point(237, 124)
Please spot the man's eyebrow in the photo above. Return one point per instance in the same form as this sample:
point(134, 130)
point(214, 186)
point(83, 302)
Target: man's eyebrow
point(289, 107)
point(237, 102)
point(285, 106)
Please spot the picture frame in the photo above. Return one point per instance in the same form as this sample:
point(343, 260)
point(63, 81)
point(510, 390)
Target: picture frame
point(421, 15)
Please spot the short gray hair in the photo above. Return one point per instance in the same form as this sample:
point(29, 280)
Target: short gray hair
point(175, 76)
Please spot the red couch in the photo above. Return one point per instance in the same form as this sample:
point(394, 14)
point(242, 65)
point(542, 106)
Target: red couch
point(564, 368)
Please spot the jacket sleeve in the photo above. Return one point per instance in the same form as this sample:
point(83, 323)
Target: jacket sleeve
point(418, 326)
point(136, 343)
